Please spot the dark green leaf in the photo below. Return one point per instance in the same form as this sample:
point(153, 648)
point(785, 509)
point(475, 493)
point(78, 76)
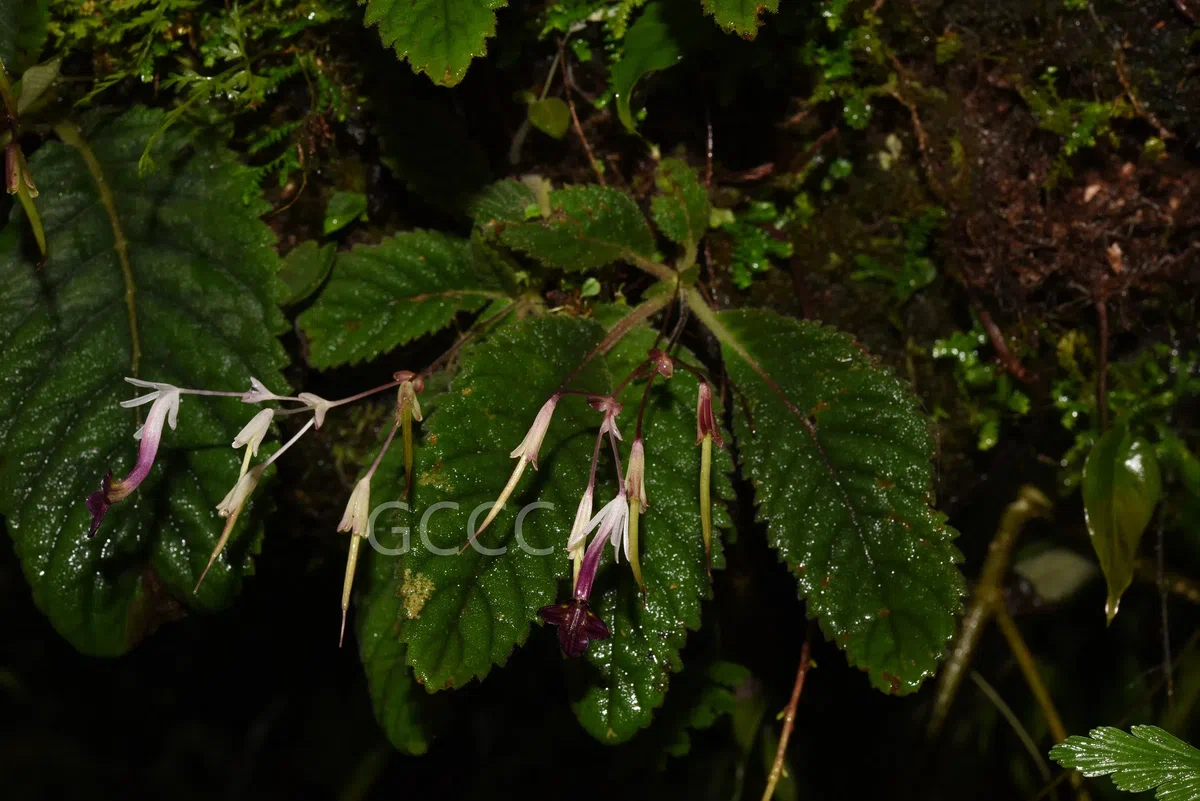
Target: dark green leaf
point(381, 296)
point(714, 692)
point(550, 116)
point(649, 46)
point(501, 203)
point(1121, 486)
point(628, 673)
point(304, 269)
point(841, 465)
point(438, 37)
point(203, 269)
point(343, 209)
point(22, 31)
point(681, 208)
point(740, 16)
point(1145, 759)
point(587, 227)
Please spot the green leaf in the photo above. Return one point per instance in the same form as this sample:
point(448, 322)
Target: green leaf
point(464, 613)
point(503, 202)
point(841, 465)
point(305, 268)
point(587, 227)
point(343, 209)
point(714, 693)
point(382, 296)
point(1145, 759)
point(1121, 486)
point(627, 674)
point(438, 37)
point(201, 269)
point(550, 116)
point(681, 209)
point(35, 83)
point(740, 16)
point(650, 45)
point(22, 31)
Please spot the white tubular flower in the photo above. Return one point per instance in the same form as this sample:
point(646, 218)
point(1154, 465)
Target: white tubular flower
point(358, 510)
point(252, 433)
point(407, 399)
point(259, 393)
point(613, 523)
point(233, 502)
point(635, 474)
point(583, 516)
point(529, 447)
point(165, 394)
point(318, 404)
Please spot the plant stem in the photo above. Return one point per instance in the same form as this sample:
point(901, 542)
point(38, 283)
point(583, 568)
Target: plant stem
point(642, 312)
point(789, 721)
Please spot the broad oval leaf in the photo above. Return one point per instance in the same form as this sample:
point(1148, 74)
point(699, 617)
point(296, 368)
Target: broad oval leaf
point(381, 296)
point(649, 46)
point(1121, 486)
point(438, 37)
point(305, 268)
point(740, 16)
point(681, 208)
point(201, 268)
point(625, 678)
point(841, 465)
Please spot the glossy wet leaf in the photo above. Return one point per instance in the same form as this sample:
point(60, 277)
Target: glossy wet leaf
point(304, 269)
point(650, 45)
point(1121, 486)
point(204, 270)
point(626, 676)
point(742, 17)
point(550, 116)
point(382, 296)
point(841, 463)
point(586, 227)
point(436, 37)
point(343, 209)
point(1147, 758)
point(680, 209)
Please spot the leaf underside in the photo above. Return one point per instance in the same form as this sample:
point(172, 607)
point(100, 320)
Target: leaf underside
point(842, 476)
point(437, 37)
point(203, 269)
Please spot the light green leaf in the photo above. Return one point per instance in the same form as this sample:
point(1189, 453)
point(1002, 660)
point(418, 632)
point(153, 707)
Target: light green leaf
point(740, 16)
point(650, 45)
point(305, 267)
point(550, 116)
point(587, 227)
point(841, 465)
point(201, 268)
point(1145, 759)
point(438, 37)
point(1121, 486)
point(35, 83)
point(627, 674)
point(343, 209)
point(382, 296)
point(681, 209)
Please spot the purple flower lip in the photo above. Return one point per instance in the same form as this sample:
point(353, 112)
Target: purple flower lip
point(577, 625)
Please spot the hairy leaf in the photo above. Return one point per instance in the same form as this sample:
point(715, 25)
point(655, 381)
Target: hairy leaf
point(438, 37)
point(628, 673)
point(1145, 759)
point(740, 16)
point(385, 295)
point(201, 268)
point(493, 207)
point(651, 45)
point(1121, 486)
point(586, 227)
point(840, 461)
point(681, 209)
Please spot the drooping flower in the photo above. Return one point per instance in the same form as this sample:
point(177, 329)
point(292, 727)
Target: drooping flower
point(164, 411)
point(707, 431)
point(635, 487)
point(609, 407)
point(318, 404)
point(355, 522)
point(575, 543)
point(230, 508)
point(259, 393)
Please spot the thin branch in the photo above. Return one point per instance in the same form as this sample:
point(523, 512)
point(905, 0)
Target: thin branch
point(1102, 362)
point(789, 720)
point(1014, 722)
point(587, 147)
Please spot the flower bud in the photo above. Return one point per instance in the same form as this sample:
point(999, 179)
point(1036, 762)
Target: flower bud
point(706, 423)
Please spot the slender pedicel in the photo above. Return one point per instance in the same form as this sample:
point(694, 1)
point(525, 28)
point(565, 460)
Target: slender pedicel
point(706, 432)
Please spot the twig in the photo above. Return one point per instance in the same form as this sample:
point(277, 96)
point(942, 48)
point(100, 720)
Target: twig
point(1014, 722)
point(587, 148)
point(1161, 572)
point(1006, 358)
point(1102, 362)
point(789, 720)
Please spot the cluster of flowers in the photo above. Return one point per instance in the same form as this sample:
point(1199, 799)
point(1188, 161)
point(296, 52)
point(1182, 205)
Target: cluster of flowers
point(615, 523)
point(164, 411)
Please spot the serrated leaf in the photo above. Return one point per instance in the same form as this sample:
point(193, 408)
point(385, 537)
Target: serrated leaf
point(1145, 759)
point(650, 45)
point(500, 203)
point(587, 227)
point(627, 674)
point(437, 37)
point(1121, 486)
point(382, 296)
point(203, 270)
point(841, 465)
point(550, 116)
point(465, 613)
point(711, 693)
point(681, 208)
point(740, 16)
point(305, 268)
